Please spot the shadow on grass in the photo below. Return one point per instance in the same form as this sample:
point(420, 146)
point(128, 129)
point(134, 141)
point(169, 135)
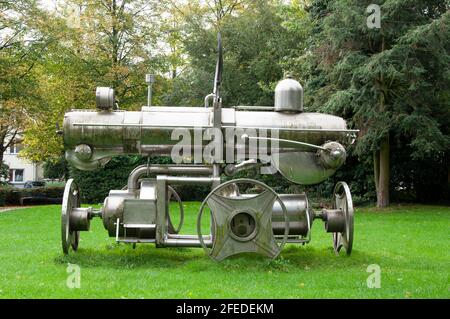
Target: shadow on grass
point(123, 257)
point(292, 259)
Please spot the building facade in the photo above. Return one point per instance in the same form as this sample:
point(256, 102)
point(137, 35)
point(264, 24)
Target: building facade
point(21, 170)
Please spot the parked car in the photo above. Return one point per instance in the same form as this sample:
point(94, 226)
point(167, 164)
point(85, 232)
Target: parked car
point(34, 184)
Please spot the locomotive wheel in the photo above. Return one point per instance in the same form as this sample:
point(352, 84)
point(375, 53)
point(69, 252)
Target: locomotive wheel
point(71, 200)
point(242, 224)
point(171, 228)
point(342, 199)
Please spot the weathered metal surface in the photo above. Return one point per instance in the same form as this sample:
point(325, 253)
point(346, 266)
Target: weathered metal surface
point(243, 224)
point(117, 133)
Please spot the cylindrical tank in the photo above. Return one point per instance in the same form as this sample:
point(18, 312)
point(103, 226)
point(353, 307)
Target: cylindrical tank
point(90, 136)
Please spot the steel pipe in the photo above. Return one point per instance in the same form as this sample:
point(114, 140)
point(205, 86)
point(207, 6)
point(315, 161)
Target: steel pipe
point(171, 242)
point(175, 180)
point(142, 170)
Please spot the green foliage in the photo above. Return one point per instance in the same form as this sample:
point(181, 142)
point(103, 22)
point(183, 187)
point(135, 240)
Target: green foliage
point(56, 170)
point(2, 197)
point(95, 185)
point(21, 47)
point(108, 44)
point(4, 173)
point(389, 82)
point(423, 180)
point(258, 45)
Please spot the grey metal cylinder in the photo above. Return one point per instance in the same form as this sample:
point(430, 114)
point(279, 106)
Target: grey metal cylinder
point(79, 219)
point(289, 96)
point(104, 98)
point(297, 207)
point(142, 170)
point(334, 220)
point(152, 132)
point(112, 209)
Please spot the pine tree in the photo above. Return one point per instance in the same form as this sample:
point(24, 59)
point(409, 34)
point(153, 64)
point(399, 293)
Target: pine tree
point(391, 82)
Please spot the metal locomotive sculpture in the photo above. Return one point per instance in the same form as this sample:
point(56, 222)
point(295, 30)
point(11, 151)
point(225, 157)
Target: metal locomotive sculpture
point(245, 214)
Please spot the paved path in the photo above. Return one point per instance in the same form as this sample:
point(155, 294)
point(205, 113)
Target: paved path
point(8, 208)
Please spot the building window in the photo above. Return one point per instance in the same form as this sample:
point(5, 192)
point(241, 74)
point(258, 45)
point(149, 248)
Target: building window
point(16, 175)
point(15, 148)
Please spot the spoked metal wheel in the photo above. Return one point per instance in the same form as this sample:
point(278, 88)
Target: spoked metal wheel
point(242, 223)
point(172, 193)
point(71, 200)
point(342, 199)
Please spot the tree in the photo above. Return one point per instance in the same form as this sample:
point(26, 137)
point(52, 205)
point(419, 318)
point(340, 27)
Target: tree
point(95, 43)
point(392, 82)
point(119, 34)
point(56, 169)
point(258, 44)
point(20, 47)
point(4, 173)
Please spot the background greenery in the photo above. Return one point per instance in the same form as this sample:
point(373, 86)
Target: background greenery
point(391, 83)
point(407, 242)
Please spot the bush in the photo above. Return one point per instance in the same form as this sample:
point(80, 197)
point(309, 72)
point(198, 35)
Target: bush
point(95, 185)
point(13, 196)
point(4, 173)
point(2, 197)
point(46, 192)
point(16, 196)
point(417, 180)
point(56, 169)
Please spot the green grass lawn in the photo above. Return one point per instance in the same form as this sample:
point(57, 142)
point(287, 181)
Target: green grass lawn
point(410, 244)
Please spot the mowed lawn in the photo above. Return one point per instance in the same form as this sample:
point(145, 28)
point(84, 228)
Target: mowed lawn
point(409, 243)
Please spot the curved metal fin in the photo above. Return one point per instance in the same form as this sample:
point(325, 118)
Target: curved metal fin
point(219, 67)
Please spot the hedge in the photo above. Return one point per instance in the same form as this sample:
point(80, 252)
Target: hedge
point(2, 197)
point(95, 185)
point(16, 196)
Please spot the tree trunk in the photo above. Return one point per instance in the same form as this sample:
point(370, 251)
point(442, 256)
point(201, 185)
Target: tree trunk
point(381, 158)
point(382, 173)
point(6, 140)
point(376, 168)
